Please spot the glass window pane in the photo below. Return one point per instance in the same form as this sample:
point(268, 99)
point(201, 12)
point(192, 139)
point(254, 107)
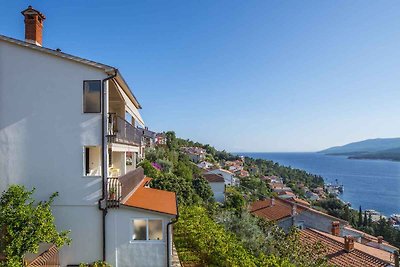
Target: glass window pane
point(139, 230)
point(92, 96)
point(155, 230)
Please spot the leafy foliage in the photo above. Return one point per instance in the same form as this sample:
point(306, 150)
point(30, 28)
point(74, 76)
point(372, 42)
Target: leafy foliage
point(25, 224)
point(201, 240)
point(98, 263)
point(266, 238)
point(234, 200)
point(212, 235)
point(149, 170)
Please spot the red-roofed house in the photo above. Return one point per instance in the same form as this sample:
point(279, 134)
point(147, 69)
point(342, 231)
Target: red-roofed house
point(345, 252)
point(217, 184)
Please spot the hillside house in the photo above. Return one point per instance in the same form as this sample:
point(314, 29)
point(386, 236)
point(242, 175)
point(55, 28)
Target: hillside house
point(70, 125)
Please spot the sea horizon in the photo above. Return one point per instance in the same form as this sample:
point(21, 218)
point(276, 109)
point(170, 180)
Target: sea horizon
point(361, 177)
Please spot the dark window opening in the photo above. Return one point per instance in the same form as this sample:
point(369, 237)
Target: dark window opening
point(92, 96)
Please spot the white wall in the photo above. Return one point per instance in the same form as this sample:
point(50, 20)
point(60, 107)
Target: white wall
point(42, 135)
point(85, 224)
point(229, 178)
point(121, 252)
point(219, 191)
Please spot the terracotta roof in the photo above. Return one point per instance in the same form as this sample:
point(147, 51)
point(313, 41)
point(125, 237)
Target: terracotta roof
point(147, 198)
point(281, 209)
point(262, 209)
point(226, 171)
point(361, 256)
point(368, 239)
point(300, 201)
point(214, 178)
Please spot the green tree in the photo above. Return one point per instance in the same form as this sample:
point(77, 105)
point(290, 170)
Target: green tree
point(360, 217)
point(234, 199)
point(200, 239)
point(202, 188)
point(181, 186)
point(149, 170)
point(365, 221)
point(172, 142)
point(25, 224)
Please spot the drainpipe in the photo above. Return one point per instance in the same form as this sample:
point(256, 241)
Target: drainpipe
point(168, 224)
point(103, 200)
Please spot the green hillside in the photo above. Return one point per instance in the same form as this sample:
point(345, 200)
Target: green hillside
point(380, 148)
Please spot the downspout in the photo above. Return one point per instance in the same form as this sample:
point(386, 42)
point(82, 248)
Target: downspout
point(103, 200)
point(168, 225)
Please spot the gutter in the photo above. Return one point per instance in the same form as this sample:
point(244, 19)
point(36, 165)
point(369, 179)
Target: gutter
point(168, 224)
point(103, 200)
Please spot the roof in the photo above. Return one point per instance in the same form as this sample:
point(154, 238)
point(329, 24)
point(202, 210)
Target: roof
point(106, 68)
point(370, 238)
point(280, 210)
point(362, 255)
point(300, 201)
point(286, 193)
point(144, 197)
point(222, 170)
point(214, 178)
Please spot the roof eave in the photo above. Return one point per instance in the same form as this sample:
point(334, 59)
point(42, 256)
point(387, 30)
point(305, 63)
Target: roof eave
point(121, 81)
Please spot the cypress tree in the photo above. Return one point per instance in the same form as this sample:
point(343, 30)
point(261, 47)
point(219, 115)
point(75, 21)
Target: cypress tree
point(369, 219)
point(365, 222)
point(359, 217)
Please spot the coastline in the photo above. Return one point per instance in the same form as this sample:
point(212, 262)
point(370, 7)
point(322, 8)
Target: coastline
point(359, 177)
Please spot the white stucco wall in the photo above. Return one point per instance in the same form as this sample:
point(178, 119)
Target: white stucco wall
point(219, 191)
point(122, 251)
point(229, 178)
point(311, 220)
point(42, 134)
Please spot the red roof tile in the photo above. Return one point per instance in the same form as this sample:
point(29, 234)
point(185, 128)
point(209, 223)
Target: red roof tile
point(361, 256)
point(281, 209)
point(152, 199)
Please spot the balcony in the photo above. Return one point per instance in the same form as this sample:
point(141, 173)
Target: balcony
point(120, 187)
point(121, 131)
point(114, 189)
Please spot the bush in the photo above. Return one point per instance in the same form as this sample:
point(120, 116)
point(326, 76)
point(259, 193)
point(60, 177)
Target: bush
point(96, 264)
point(25, 224)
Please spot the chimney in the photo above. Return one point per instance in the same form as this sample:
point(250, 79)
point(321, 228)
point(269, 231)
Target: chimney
point(335, 230)
point(348, 243)
point(294, 209)
point(33, 25)
point(272, 201)
point(380, 239)
point(396, 258)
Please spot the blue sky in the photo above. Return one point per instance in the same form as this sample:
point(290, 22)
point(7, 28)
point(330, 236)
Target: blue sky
point(242, 75)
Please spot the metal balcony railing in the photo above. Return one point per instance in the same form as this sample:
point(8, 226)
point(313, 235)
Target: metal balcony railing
point(121, 131)
point(114, 192)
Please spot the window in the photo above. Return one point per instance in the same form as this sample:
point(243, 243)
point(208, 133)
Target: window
point(155, 230)
point(92, 96)
point(139, 230)
point(92, 161)
point(147, 229)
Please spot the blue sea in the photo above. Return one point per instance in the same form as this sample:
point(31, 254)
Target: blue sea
point(373, 184)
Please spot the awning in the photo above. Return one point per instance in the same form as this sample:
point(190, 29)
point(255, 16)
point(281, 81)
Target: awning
point(130, 107)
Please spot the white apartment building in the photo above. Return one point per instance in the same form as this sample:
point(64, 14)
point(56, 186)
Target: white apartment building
point(68, 124)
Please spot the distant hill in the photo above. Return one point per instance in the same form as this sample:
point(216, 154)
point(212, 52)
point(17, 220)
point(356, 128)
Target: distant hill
point(380, 148)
